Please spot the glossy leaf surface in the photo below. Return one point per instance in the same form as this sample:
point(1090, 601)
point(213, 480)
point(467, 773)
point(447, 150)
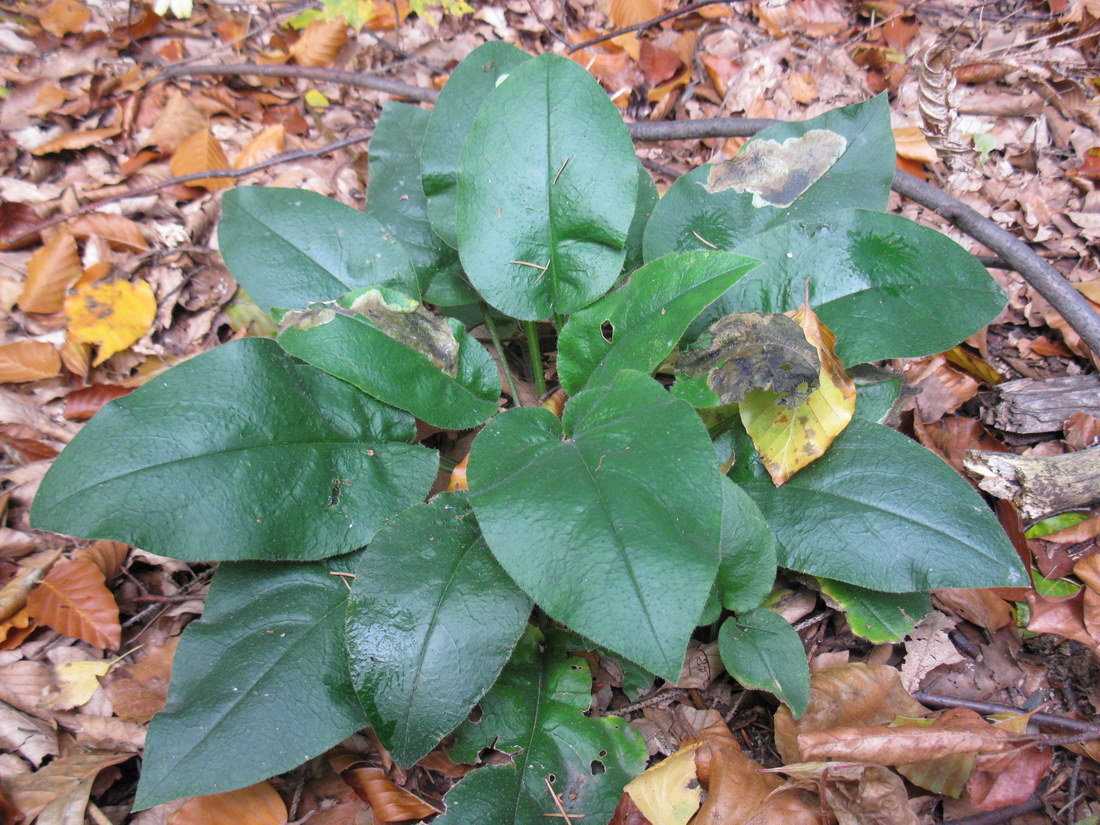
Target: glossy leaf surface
point(547, 185)
point(876, 616)
point(746, 572)
point(646, 201)
point(648, 315)
point(880, 511)
point(476, 76)
point(395, 197)
point(691, 217)
point(432, 619)
point(375, 354)
point(886, 286)
point(536, 712)
point(260, 683)
point(762, 651)
point(241, 452)
point(604, 541)
point(313, 248)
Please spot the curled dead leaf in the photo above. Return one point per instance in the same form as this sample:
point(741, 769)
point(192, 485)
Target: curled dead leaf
point(17, 220)
point(28, 361)
point(82, 404)
point(120, 232)
point(51, 271)
point(73, 599)
point(258, 804)
point(389, 802)
point(32, 792)
point(13, 596)
point(76, 140)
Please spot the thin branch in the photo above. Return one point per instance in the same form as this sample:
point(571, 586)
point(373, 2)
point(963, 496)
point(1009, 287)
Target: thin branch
point(535, 353)
point(557, 35)
point(318, 74)
point(646, 24)
point(490, 324)
point(937, 700)
point(999, 815)
point(286, 157)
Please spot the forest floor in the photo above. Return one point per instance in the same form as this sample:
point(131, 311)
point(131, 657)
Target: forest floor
point(93, 139)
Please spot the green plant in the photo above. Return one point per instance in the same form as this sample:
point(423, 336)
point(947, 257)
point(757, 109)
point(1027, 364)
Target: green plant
point(292, 459)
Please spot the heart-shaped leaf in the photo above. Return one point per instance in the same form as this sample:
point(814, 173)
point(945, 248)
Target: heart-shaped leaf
point(643, 208)
point(762, 651)
point(614, 529)
point(260, 683)
point(888, 287)
point(746, 572)
point(395, 197)
point(547, 185)
point(314, 248)
point(695, 213)
point(389, 346)
point(481, 71)
point(431, 621)
point(241, 452)
point(536, 712)
point(880, 511)
point(647, 315)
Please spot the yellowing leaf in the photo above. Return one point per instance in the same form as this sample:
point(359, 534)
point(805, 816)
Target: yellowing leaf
point(119, 232)
point(52, 270)
point(316, 100)
point(76, 140)
point(268, 143)
point(77, 682)
point(28, 361)
point(669, 793)
point(320, 42)
point(790, 439)
point(111, 314)
point(64, 17)
point(201, 153)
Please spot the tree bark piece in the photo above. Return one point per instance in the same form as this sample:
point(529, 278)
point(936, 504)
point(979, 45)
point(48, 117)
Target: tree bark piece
point(1030, 406)
point(1039, 485)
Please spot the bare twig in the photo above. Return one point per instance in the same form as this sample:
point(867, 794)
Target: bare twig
point(939, 701)
point(286, 157)
point(999, 815)
point(646, 24)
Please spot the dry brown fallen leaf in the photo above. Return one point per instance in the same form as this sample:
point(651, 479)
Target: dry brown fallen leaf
point(268, 143)
point(76, 140)
point(201, 153)
point(927, 647)
point(320, 42)
point(32, 793)
point(73, 599)
point(389, 802)
point(108, 556)
point(180, 119)
point(51, 271)
point(28, 361)
point(139, 690)
point(858, 794)
point(258, 804)
point(120, 232)
point(64, 17)
point(14, 594)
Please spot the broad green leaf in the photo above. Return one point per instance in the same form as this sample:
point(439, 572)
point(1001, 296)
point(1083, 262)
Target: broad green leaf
point(790, 439)
point(647, 316)
point(1054, 587)
point(395, 197)
point(888, 287)
point(746, 572)
point(290, 247)
point(395, 350)
point(260, 683)
point(880, 511)
point(481, 71)
point(876, 616)
point(876, 402)
point(643, 208)
point(536, 713)
point(431, 621)
point(691, 217)
point(239, 453)
point(614, 529)
point(1053, 524)
point(762, 651)
point(547, 185)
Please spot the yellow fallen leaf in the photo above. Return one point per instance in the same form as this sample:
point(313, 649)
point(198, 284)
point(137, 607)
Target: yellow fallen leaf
point(77, 684)
point(110, 314)
point(669, 793)
point(316, 100)
point(790, 439)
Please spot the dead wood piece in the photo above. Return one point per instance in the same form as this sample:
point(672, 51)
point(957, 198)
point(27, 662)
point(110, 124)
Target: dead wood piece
point(1030, 406)
point(1039, 485)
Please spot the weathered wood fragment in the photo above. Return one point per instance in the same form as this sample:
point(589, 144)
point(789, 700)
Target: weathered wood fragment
point(1030, 406)
point(1039, 485)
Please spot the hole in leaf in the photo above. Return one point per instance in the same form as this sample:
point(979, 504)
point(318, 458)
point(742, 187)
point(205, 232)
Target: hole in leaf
point(552, 779)
point(603, 753)
point(597, 767)
point(474, 716)
point(608, 332)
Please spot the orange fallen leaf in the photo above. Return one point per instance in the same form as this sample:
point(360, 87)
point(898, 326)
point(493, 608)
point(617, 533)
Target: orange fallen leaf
point(28, 361)
point(14, 629)
point(73, 599)
point(201, 153)
point(13, 595)
point(258, 804)
point(64, 17)
point(911, 144)
point(111, 314)
point(119, 232)
point(82, 404)
point(51, 270)
point(268, 143)
point(76, 357)
point(631, 12)
point(389, 802)
point(320, 42)
point(108, 556)
point(76, 140)
point(790, 439)
point(139, 690)
point(180, 119)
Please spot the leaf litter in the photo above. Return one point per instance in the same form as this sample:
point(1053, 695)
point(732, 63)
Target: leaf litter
point(95, 127)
